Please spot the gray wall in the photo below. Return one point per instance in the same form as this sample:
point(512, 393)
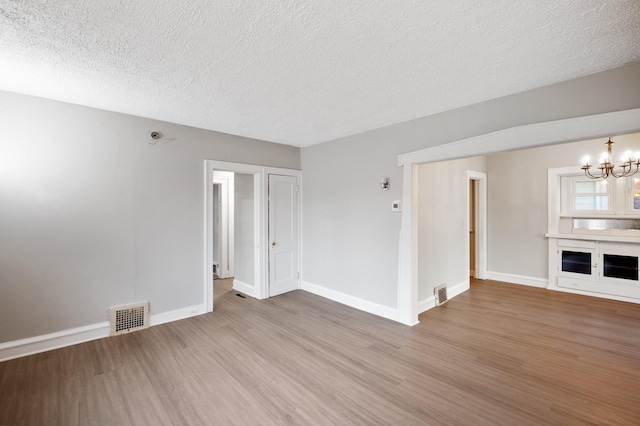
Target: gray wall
point(244, 229)
point(442, 203)
point(350, 235)
point(92, 215)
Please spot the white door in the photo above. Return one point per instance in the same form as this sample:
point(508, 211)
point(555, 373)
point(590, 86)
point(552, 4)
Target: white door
point(283, 234)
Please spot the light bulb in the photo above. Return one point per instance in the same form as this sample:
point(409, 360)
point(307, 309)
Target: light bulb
point(603, 157)
point(626, 156)
point(585, 160)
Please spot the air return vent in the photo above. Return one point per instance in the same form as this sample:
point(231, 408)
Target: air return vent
point(127, 318)
point(441, 294)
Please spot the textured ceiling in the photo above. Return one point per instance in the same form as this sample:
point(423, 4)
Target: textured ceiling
point(304, 72)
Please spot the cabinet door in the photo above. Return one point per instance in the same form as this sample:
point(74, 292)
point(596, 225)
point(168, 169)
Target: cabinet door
point(577, 263)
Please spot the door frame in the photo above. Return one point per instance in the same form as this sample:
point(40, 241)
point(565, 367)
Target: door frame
point(481, 225)
point(261, 250)
point(519, 137)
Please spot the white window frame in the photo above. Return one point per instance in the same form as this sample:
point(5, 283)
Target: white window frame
point(569, 200)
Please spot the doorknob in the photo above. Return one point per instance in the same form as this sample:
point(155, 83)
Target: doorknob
point(273, 244)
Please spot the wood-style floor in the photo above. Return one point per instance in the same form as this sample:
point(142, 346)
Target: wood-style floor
point(499, 354)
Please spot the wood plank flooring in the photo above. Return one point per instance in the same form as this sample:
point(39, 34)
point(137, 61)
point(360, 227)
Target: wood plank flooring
point(499, 354)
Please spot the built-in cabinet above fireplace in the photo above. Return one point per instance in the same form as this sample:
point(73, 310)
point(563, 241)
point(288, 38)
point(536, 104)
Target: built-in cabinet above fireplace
point(594, 235)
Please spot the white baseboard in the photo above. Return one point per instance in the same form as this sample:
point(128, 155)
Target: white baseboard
point(245, 288)
point(426, 304)
point(177, 314)
point(352, 301)
point(47, 342)
point(518, 279)
point(74, 336)
point(430, 302)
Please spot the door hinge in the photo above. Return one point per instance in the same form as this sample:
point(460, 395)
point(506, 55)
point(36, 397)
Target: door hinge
point(298, 275)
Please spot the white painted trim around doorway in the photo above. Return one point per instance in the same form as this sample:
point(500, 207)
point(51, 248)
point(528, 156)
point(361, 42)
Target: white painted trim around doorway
point(529, 136)
point(261, 252)
point(260, 242)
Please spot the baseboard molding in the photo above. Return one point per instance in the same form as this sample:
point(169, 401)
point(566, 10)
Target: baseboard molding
point(74, 336)
point(243, 287)
point(426, 304)
point(352, 301)
point(177, 314)
point(518, 279)
point(430, 302)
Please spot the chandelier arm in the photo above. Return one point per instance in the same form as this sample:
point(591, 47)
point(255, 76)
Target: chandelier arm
point(613, 173)
point(635, 171)
point(587, 172)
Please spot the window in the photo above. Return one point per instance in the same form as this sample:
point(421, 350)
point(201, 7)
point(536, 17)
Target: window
point(589, 196)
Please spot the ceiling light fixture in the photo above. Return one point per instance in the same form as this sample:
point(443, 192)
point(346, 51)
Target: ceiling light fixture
point(630, 164)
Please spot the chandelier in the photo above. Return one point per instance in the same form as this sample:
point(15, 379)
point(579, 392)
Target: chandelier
point(630, 164)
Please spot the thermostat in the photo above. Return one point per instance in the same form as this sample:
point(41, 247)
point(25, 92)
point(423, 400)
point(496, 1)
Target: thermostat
point(396, 206)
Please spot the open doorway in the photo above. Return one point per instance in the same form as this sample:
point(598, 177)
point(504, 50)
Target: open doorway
point(233, 232)
point(477, 224)
point(251, 253)
point(223, 224)
point(527, 136)
point(473, 221)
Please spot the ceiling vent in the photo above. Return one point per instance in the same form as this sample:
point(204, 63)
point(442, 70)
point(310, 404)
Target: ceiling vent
point(128, 318)
point(440, 293)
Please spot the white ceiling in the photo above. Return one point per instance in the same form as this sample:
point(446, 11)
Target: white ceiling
point(303, 72)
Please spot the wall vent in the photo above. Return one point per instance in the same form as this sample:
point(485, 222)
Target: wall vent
point(441, 294)
point(128, 318)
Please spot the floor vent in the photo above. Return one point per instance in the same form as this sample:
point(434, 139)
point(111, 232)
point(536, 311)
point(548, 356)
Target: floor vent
point(128, 318)
point(241, 295)
point(441, 294)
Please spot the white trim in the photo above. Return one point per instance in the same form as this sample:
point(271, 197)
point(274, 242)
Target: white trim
point(177, 314)
point(87, 333)
point(481, 231)
point(244, 288)
point(548, 133)
point(259, 199)
point(47, 342)
point(592, 294)
point(458, 289)
point(453, 291)
point(352, 301)
point(518, 279)
point(425, 304)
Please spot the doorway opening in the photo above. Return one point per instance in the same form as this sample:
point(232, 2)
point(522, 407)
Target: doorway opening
point(520, 137)
point(477, 224)
point(234, 217)
point(248, 252)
